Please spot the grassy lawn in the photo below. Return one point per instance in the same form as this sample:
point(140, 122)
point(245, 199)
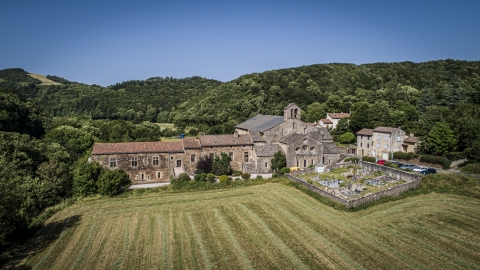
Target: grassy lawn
point(263, 227)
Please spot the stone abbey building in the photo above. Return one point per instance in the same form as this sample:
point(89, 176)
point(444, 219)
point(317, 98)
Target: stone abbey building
point(251, 149)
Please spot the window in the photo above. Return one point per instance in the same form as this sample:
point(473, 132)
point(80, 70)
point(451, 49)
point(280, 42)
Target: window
point(398, 138)
point(245, 157)
point(304, 130)
point(113, 162)
point(293, 126)
point(283, 132)
point(378, 137)
point(230, 154)
point(361, 137)
point(368, 138)
point(266, 164)
point(368, 145)
point(192, 158)
point(378, 145)
point(134, 162)
point(386, 146)
point(304, 163)
point(155, 161)
point(312, 161)
point(361, 144)
point(159, 175)
point(210, 155)
point(386, 137)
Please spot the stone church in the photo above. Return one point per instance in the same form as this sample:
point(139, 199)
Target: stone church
point(250, 148)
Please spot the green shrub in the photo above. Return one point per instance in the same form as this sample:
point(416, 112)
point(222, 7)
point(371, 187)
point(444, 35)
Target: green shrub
point(246, 176)
point(369, 159)
point(274, 175)
point(197, 177)
point(391, 165)
point(111, 183)
point(237, 173)
point(223, 178)
point(285, 170)
point(259, 177)
point(437, 160)
point(183, 177)
point(471, 168)
point(352, 159)
point(211, 177)
point(199, 171)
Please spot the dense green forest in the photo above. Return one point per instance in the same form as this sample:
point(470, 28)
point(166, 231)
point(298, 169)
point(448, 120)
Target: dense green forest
point(47, 131)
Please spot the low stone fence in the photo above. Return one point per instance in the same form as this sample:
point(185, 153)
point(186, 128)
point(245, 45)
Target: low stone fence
point(413, 180)
point(399, 174)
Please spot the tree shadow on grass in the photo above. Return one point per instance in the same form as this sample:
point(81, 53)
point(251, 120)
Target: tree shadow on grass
point(41, 240)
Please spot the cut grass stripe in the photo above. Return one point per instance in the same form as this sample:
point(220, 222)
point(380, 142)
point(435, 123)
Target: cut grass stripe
point(116, 265)
point(198, 239)
point(164, 234)
point(275, 239)
point(85, 247)
point(52, 249)
point(226, 229)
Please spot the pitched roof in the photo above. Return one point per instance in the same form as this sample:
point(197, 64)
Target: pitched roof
point(326, 121)
point(267, 150)
point(365, 131)
point(290, 105)
point(137, 147)
point(291, 138)
point(256, 136)
point(191, 143)
point(385, 129)
point(338, 115)
point(261, 122)
point(412, 139)
point(330, 148)
point(225, 140)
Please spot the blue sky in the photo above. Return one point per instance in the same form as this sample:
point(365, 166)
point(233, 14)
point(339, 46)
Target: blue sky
point(105, 42)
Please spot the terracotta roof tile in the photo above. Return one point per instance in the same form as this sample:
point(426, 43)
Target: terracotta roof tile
point(412, 139)
point(223, 140)
point(338, 115)
point(385, 129)
point(326, 121)
point(137, 147)
point(365, 131)
point(191, 143)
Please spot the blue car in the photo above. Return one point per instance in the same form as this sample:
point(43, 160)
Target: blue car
point(429, 171)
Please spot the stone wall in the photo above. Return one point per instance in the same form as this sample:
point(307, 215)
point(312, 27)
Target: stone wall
point(145, 171)
point(413, 180)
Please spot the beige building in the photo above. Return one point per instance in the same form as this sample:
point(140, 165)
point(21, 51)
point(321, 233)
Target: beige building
point(411, 143)
point(380, 142)
point(251, 148)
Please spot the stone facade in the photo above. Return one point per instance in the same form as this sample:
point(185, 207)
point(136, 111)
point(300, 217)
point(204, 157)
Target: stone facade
point(251, 149)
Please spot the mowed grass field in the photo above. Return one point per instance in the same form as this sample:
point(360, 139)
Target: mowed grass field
point(258, 227)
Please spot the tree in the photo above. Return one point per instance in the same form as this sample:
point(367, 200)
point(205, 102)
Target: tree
point(278, 161)
point(440, 139)
point(111, 183)
point(205, 164)
point(221, 164)
point(347, 137)
point(316, 111)
point(85, 177)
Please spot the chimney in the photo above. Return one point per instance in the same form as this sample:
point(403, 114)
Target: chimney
point(411, 135)
point(235, 134)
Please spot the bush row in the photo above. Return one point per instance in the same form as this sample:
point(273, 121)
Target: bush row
point(437, 160)
point(404, 156)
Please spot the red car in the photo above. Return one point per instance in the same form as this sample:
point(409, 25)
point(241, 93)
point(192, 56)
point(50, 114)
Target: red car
point(380, 161)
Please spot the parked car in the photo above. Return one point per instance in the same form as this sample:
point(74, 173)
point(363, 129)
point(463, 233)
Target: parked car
point(380, 161)
point(419, 168)
point(408, 166)
point(429, 171)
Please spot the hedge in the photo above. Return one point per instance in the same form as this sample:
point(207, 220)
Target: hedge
point(404, 156)
point(436, 160)
point(369, 159)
